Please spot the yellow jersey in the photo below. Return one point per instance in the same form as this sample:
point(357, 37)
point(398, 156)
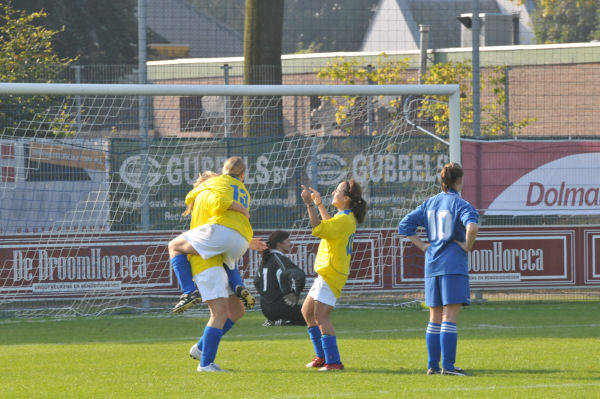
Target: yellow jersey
point(335, 249)
point(201, 213)
point(222, 191)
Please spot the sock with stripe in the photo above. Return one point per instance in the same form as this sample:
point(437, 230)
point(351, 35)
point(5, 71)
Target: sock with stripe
point(315, 336)
point(211, 338)
point(332, 354)
point(434, 347)
point(448, 339)
point(183, 271)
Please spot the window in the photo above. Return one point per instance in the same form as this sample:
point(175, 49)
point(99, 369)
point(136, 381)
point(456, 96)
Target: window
point(190, 114)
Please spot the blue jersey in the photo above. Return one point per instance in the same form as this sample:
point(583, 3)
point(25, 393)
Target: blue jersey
point(445, 217)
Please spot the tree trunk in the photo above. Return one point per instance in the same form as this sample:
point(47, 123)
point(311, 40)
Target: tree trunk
point(263, 116)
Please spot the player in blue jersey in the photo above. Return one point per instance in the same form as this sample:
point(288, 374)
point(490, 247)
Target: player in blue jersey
point(451, 224)
point(332, 265)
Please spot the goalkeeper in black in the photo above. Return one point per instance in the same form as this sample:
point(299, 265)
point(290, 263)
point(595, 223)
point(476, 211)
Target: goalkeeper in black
point(279, 282)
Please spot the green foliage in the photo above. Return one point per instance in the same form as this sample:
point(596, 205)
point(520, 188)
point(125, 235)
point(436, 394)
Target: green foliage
point(566, 21)
point(432, 108)
point(493, 118)
point(355, 71)
point(514, 350)
point(27, 55)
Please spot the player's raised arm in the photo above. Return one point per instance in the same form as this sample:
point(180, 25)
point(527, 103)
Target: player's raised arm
point(306, 195)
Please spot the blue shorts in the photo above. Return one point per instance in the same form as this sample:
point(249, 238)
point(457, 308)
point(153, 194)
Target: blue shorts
point(447, 289)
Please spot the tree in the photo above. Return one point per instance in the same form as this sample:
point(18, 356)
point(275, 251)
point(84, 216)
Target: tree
point(27, 55)
point(263, 116)
point(97, 32)
point(431, 110)
point(566, 21)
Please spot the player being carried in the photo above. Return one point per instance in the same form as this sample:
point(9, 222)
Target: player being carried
point(226, 231)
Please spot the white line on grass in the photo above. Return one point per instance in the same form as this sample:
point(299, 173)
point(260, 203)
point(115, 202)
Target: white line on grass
point(442, 389)
point(302, 333)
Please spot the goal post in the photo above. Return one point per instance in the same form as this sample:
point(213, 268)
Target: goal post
point(88, 203)
point(67, 89)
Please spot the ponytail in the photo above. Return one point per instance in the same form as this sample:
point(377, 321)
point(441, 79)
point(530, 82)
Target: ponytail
point(357, 204)
point(234, 166)
point(275, 238)
point(450, 173)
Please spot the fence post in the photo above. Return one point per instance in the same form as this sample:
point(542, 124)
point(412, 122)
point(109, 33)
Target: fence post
point(78, 69)
point(370, 109)
point(226, 69)
point(506, 102)
point(143, 116)
point(476, 79)
point(424, 43)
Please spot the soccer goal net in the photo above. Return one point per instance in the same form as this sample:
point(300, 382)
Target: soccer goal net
point(94, 179)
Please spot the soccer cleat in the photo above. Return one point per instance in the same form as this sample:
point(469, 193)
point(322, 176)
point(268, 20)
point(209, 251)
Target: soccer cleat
point(431, 371)
point(195, 352)
point(280, 322)
point(186, 301)
point(245, 296)
point(316, 362)
point(210, 367)
point(457, 371)
point(332, 367)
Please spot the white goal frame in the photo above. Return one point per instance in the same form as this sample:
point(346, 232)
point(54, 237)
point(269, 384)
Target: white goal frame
point(94, 239)
point(67, 89)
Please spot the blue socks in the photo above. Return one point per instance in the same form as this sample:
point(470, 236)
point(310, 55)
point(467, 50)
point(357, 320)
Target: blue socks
point(332, 355)
point(183, 271)
point(226, 327)
point(234, 277)
point(448, 339)
point(212, 337)
point(315, 336)
point(434, 347)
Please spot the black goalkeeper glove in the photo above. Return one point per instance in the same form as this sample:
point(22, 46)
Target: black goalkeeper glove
point(291, 299)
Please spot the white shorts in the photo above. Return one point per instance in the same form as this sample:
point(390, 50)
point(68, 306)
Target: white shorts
point(321, 292)
point(214, 239)
point(213, 283)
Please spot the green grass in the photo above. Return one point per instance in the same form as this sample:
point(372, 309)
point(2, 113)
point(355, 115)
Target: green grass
point(514, 350)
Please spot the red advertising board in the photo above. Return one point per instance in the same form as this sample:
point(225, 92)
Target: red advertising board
point(508, 257)
point(60, 266)
point(518, 177)
point(63, 266)
point(591, 241)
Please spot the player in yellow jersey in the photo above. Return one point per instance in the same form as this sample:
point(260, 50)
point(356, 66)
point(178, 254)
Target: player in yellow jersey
point(332, 264)
point(225, 308)
point(224, 230)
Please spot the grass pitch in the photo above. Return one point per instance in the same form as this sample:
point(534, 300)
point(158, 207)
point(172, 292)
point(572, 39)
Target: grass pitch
point(513, 350)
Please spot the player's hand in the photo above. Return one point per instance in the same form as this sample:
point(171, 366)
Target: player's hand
point(315, 196)
point(306, 195)
point(424, 249)
point(257, 244)
point(291, 299)
point(246, 213)
point(463, 245)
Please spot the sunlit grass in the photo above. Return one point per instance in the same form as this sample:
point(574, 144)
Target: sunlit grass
point(535, 350)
